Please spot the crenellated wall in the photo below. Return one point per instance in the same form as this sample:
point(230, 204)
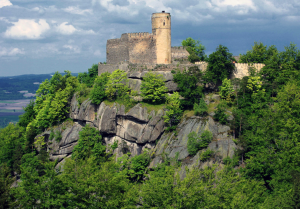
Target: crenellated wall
point(179, 53)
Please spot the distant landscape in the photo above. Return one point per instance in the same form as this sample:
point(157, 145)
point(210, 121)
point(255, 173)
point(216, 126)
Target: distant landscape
point(16, 92)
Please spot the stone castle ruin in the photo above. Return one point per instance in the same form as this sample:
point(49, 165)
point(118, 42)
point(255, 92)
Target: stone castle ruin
point(140, 52)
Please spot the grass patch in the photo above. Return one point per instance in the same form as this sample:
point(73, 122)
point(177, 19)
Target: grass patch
point(188, 113)
point(155, 107)
point(128, 104)
point(211, 106)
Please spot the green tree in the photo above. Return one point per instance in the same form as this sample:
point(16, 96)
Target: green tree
point(196, 143)
point(174, 113)
point(258, 54)
point(226, 89)
point(195, 49)
point(89, 144)
point(117, 85)
point(98, 92)
point(89, 77)
point(220, 65)
point(28, 116)
point(201, 108)
point(153, 88)
point(188, 84)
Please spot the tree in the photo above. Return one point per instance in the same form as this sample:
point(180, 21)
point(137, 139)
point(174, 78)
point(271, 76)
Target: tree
point(117, 85)
point(258, 54)
point(226, 90)
point(174, 113)
point(98, 91)
point(89, 78)
point(153, 88)
point(201, 108)
point(195, 49)
point(28, 116)
point(188, 84)
point(220, 65)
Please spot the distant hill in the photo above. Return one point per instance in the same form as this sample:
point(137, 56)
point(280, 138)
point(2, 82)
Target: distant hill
point(22, 86)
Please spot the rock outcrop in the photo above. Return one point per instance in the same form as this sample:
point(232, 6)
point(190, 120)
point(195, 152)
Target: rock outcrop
point(137, 130)
point(171, 145)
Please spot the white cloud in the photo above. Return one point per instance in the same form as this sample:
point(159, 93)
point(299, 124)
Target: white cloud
point(72, 48)
point(10, 52)
point(77, 10)
point(4, 3)
point(66, 29)
point(27, 29)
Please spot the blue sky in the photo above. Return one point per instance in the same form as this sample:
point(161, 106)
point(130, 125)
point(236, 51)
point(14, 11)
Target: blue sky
point(38, 36)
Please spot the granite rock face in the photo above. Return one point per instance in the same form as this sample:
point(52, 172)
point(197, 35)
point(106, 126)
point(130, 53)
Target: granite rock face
point(133, 130)
point(172, 146)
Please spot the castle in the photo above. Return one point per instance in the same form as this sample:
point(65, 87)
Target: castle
point(152, 51)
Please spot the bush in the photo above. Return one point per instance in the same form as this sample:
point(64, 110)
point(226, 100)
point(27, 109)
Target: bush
point(89, 144)
point(153, 88)
point(220, 113)
point(196, 143)
point(88, 78)
point(98, 92)
point(58, 136)
point(201, 108)
point(226, 90)
point(206, 155)
point(188, 84)
point(173, 116)
point(117, 85)
point(219, 65)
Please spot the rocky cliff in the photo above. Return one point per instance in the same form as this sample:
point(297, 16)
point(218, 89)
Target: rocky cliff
point(137, 130)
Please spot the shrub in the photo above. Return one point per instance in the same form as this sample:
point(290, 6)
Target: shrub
point(139, 164)
point(206, 155)
point(88, 78)
point(98, 91)
point(195, 143)
point(220, 113)
point(188, 84)
point(219, 65)
point(201, 108)
point(153, 88)
point(173, 116)
point(117, 85)
point(89, 144)
point(226, 89)
point(58, 136)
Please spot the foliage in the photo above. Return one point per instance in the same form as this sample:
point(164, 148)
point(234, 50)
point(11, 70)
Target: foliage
point(206, 155)
point(114, 145)
point(195, 49)
point(89, 77)
point(28, 116)
point(52, 100)
point(219, 65)
point(89, 145)
point(153, 88)
point(117, 85)
point(196, 143)
point(40, 142)
point(226, 89)
point(5, 183)
point(188, 84)
point(258, 54)
point(174, 113)
point(98, 92)
point(82, 93)
point(201, 108)
point(220, 113)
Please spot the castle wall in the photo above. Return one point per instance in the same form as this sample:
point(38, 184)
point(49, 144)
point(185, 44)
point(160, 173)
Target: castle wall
point(117, 50)
point(179, 53)
point(242, 69)
point(161, 28)
point(142, 48)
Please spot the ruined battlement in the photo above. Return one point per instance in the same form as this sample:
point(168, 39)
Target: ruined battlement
point(142, 34)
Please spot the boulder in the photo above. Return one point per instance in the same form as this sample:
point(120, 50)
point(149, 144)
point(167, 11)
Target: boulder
point(107, 120)
point(87, 111)
point(138, 113)
point(74, 108)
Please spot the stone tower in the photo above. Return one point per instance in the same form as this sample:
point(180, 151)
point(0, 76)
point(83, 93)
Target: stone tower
point(161, 28)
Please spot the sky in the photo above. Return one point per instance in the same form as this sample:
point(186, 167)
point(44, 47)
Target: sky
point(41, 37)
